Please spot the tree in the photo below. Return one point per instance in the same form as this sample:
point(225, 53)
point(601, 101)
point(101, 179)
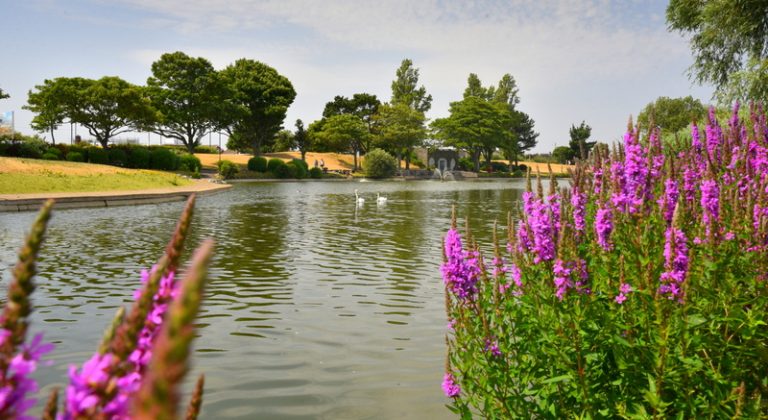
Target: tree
point(106, 107)
point(672, 114)
point(363, 105)
point(579, 143)
point(404, 88)
point(302, 139)
point(283, 141)
point(475, 88)
point(263, 97)
point(342, 133)
point(4, 95)
point(563, 154)
point(400, 129)
point(48, 104)
point(190, 97)
point(523, 138)
point(474, 125)
point(729, 39)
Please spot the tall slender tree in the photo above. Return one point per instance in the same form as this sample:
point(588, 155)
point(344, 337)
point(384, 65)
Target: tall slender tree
point(579, 143)
point(302, 139)
point(405, 90)
point(48, 103)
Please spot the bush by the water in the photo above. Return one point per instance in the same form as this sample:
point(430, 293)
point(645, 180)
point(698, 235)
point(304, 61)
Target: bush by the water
point(227, 169)
point(283, 171)
point(640, 292)
point(273, 164)
point(379, 164)
point(51, 156)
point(298, 168)
point(257, 164)
point(315, 173)
point(189, 163)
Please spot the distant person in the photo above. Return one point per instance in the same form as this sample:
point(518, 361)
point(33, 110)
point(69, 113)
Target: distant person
point(322, 163)
point(315, 163)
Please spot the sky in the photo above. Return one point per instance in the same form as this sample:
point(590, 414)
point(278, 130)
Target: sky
point(596, 61)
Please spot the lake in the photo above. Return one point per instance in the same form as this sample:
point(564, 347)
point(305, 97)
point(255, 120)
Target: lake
point(315, 307)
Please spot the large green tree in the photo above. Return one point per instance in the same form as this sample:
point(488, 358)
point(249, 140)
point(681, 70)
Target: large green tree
point(400, 129)
point(48, 103)
point(405, 90)
point(474, 125)
point(190, 97)
point(672, 114)
point(105, 107)
point(263, 97)
point(579, 136)
point(363, 105)
point(729, 39)
point(341, 133)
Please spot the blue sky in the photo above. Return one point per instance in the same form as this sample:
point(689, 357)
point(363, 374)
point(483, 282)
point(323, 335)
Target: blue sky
point(594, 60)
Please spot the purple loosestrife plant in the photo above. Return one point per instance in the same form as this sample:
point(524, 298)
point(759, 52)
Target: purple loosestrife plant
point(107, 385)
point(644, 298)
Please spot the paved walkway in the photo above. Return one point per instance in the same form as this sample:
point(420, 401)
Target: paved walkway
point(32, 202)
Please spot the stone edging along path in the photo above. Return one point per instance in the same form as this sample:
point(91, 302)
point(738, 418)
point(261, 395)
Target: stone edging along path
point(32, 202)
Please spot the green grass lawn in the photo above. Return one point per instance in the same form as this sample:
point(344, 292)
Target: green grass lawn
point(37, 176)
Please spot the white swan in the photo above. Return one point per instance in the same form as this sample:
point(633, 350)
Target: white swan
point(360, 200)
point(380, 199)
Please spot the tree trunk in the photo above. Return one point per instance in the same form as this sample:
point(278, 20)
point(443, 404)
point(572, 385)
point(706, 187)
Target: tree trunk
point(354, 168)
point(53, 139)
point(476, 160)
point(303, 155)
point(191, 148)
point(256, 145)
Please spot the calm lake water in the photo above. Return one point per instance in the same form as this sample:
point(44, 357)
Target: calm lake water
point(315, 307)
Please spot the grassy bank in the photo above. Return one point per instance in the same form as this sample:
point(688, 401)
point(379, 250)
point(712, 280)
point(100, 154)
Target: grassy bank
point(20, 176)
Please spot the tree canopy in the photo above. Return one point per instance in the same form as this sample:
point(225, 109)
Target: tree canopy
point(48, 103)
point(729, 39)
point(190, 98)
point(404, 88)
point(340, 133)
point(672, 114)
point(302, 140)
point(105, 107)
point(363, 105)
point(400, 129)
point(262, 96)
point(578, 142)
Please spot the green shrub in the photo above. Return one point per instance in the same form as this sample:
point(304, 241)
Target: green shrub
point(285, 171)
point(75, 157)
point(465, 164)
point(227, 169)
point(138, 158)
point(379, 164)
point(53, 151)
point(163, 159)
point(315, 173)
point(301, 168)
point(257, 164)
point(117, 157)
point(19, 145)
point(301, 163)
point(206, 149)
point(189, 163)
point(51, 156)
point(98, 155)
point(273, 164)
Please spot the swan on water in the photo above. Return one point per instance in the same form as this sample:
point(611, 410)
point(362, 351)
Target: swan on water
point(360, 200)
point(380, 199)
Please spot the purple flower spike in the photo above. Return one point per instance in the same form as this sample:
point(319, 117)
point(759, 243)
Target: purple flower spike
point(461, 270)
point(450, 387)
point(676, 263)
point(604, 227)
point(578, 201)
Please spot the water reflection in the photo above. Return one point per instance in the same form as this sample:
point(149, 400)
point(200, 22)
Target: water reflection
point(316, 308)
